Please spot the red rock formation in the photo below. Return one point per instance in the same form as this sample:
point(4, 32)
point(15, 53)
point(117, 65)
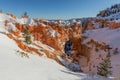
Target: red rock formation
point(79, 50)
point(26, 48)
point(90, 23)
point(20, 27)
point(43, 34)
point(6, 22)
point(114, 25)
point(10, 36)
point(16, 33)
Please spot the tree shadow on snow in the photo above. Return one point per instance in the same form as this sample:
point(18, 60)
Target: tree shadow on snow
point(78, 74)
point(84, 76)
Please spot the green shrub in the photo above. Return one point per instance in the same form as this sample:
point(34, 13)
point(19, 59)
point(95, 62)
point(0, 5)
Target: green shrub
point(23, 54)
point(27, 36)
point(104, 68)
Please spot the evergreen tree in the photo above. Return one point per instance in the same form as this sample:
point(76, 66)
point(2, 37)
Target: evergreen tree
point(27, 36)
point(119, 10)
point(25, 15)
point(104, 68)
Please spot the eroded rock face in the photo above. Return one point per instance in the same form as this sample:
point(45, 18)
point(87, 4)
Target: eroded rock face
point(54, 37)
point(96, 23)
point(51, 34)
point(49, 39)
point(114, 25)
point(79, 51)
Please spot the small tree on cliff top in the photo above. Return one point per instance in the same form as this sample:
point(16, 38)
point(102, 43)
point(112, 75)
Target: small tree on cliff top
point(25, 15)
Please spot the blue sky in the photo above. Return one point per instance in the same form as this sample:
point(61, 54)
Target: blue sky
point(56, 9)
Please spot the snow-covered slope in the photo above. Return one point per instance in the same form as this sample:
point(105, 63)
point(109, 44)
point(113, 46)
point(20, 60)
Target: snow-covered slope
point(15, 67)
point(67, 22)
point(114, 16)
point(106, 35)
point(4, 17)
point(7, 22)
point(112, 13)
point(17, 62)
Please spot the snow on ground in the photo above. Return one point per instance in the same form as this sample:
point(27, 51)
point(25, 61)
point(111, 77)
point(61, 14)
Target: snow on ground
point(70, 65)
point(4, 17)
point(114, 16)
point(10, 25)
point(2, 29)
point(15, 67)
point(28, 21)
point(45, 46)
point(105, 35)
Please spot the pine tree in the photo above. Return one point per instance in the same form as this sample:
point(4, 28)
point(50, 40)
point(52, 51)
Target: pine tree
point(104, 68)
point(119, 10)
point(27, 36)
point(25, 15)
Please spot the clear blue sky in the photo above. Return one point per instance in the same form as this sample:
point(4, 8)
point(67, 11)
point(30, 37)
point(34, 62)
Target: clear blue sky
point(56, 9)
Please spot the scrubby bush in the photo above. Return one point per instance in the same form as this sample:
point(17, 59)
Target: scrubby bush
point(116, 51)
point(22, 54)
point(96, 49)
